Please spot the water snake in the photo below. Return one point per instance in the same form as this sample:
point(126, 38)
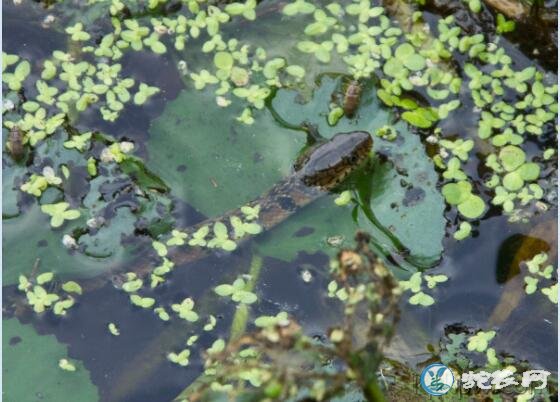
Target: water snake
point(317, 171)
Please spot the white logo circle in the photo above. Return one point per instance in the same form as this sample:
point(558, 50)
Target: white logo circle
point(437, 379)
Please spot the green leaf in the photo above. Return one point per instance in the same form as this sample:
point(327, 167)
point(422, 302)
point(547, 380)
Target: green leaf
point(44, 278)
point(513, 181)
point(72, 287)
point(144, 302)
point(511, 157)
point(463, 232)
point(456, 193)
point(529, 171)
point(479, 342)
point(224, 290)
point(33, 368)
point(421, 299)
point(421, 117)
point(473, 207)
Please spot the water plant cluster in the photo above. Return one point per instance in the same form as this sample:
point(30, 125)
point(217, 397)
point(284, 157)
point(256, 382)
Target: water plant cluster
point(266, 364)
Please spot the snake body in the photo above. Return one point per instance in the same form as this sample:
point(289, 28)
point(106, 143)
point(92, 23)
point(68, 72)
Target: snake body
point(317, 172)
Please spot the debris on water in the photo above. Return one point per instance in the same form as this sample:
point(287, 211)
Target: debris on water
point(306, 276)
point(335, 241)
point(69, 242)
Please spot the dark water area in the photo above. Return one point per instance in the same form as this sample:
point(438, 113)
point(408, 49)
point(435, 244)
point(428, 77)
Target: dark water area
point(132, 367)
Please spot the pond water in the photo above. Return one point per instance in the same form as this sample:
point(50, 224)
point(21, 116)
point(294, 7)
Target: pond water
point(177, 135)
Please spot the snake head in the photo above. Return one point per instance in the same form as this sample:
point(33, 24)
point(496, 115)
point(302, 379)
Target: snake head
point(329, 163)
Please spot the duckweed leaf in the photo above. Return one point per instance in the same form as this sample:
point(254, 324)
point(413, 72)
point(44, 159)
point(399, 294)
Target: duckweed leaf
point(185, 310)
point(421, 299)
point(44, 278)
point(463, 232)
point(552, 293)
point(59, 213)
point(479, 342)
point(72, 287)
point(162, 314)
point(144, 302)
point(181, 358)
point(433, 280)
point(40, 299)
point(113, 329)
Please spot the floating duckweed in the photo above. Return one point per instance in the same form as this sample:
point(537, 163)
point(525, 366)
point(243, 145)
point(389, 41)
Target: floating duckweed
point(469, 205)
point(247, 9)
point(144, 92)
point(433, 280)
point(35, 185)
point(192, 339)
point(221, 238)
point(44, 278)
point(199, 236)
point(185, 310)
point(160, 248)
point(387, 133)
point(209, 326)
point(241, 228)
point(77, 32)
point(61, 307)
point(459, 148)
point(181, 358)
point(269, 321)
point(421, 117)
point(144, 302)
point(40, 299)
point(538, 270)
point(335, 115)
point(162, 314)
point(503, 25)
point(237, 291)
point(414, 285)
point(251, 213)
point(453, 170)
point(178, 238)
point(72, 287)
point(92, 166)
point(65, 365)
point(322, 51)
point(298, 7)
point(15, 79)
point(551, 292)
point(322, 24)
point(23, 283)
point(59, 212)
point(133, 285)
point(78, 142)
point(474, 5)
point(344, 198)
point(164, 268)
point(113, 329)
point(217, 347)
point(480, 341)
point(463, 232)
